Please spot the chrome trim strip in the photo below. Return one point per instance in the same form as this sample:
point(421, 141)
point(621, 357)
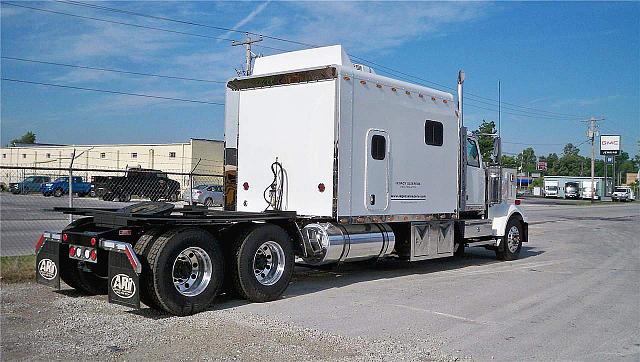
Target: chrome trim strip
point(121, 247)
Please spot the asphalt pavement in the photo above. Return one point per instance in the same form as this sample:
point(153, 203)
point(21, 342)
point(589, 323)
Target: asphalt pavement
point(573, 295)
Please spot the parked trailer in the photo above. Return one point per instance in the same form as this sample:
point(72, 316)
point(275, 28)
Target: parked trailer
point(334, 165)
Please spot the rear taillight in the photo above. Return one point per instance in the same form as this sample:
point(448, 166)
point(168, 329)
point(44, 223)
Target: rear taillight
point(517, 202)
point(93, 241)
point(65, 237)
point(72, 251)
point(39, 242)
point(321, 187)
point(93, 255)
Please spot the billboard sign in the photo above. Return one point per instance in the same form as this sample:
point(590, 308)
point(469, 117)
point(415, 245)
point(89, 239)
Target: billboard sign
point(609, 145)
point(542, 166)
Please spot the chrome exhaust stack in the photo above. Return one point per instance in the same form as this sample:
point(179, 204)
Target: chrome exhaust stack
point(334, 243)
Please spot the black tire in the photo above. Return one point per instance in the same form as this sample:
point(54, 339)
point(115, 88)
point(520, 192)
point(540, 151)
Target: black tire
point(108, 197)
point(82, 194)
point(92, 193)
point(72, 273)
point(208, 202)
point(173, 197)
point(142, 248)
point(58, 192)
point(504, 252)
point(161, 258)
point(124, 197)
point(241, 263)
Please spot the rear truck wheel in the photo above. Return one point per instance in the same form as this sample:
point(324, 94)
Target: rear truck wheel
point(92, 193)
point(511, 243)
point(82, 194)
point(262, 263)
point(142, 248)
point(186, 269)
point(78, 275)
point(58, 192)
point(208, 202)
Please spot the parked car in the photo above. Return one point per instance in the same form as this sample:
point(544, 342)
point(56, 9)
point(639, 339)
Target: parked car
point(60, 186)
point(623, 193)
point(29, 184)
point(207, 195)
point(144, 183)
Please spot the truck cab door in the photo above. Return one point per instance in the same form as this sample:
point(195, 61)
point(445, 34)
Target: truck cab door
point(475, 176)
point(376, 194)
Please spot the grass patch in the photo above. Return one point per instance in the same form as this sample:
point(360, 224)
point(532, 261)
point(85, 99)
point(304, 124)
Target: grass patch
point(14, 269)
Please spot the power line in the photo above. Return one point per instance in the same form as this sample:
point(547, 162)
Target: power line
point(116, 22)
point(79, 3)
point(112, 70)
point(366, 61)
point(521, 114)
point(110, 91)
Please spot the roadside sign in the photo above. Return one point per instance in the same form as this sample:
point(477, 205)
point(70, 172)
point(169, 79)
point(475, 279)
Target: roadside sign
point(610, 145)
point(608, 159)
point(535, 175)
point(542, 166)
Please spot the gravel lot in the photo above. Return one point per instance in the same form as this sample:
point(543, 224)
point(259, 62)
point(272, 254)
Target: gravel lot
point(573, 295)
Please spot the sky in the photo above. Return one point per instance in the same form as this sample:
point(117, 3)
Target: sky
point(558, 63)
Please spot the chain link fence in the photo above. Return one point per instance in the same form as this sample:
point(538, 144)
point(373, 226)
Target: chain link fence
point(29, 195)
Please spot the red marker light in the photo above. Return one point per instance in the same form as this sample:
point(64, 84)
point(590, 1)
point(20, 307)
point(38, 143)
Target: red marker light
point(321, 187)
point(245, 186)
point(93, 241)
point(65, 237)
point(72, 251)
point(39, 242)
point(93, 255)
point(517, 202)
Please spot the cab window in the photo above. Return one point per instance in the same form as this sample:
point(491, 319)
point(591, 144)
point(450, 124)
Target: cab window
point(473, 158)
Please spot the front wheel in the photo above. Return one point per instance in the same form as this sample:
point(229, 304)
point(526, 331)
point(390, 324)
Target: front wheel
point(262, 264)
point(511, 243)
point(58, 193)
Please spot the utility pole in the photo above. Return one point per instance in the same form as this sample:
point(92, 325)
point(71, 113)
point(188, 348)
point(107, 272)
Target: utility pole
point(591, 134)
point(250, 56)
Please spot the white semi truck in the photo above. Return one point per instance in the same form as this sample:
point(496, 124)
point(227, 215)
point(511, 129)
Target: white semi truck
point(334, 164)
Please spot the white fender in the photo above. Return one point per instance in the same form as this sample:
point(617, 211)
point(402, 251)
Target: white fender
point(500, 214)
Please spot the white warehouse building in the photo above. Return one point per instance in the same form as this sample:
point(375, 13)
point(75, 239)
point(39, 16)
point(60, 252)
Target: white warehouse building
point(200, 156)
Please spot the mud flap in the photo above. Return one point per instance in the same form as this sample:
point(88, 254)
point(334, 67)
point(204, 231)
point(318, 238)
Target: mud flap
point(48, 264)
point(124, 282)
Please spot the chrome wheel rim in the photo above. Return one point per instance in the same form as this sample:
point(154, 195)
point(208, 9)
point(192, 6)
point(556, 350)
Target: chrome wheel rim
point(191, 271)
point(513, 239)
point(268, 263)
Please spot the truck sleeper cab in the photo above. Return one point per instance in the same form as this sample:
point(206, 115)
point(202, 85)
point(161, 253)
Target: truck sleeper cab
point(333, 165)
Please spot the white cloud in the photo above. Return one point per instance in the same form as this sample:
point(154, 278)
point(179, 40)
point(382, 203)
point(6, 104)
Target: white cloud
point(255, 12)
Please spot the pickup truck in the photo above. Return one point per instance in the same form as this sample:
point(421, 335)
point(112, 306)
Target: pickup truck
point(60, 186)
point(144, 183)
point(29, 184)
point(623, 193)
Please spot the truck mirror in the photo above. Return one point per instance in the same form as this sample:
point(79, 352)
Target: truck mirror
point(497, 149)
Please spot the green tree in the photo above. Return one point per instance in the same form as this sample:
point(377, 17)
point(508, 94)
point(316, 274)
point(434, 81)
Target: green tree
point(570, 149)
point(527, 159)
point(484, 141)
point(28, 137)
point(509, 162)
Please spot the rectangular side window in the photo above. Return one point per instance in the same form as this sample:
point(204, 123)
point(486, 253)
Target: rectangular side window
point(378, 147)
point(103, 155)
point(473, 158)
point(172, 155)
point(433, 133)
point(134, 155)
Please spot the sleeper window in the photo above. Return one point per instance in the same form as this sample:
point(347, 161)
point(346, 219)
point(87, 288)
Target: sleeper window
point(473, 158)
point(378, 147)
point(433, 133)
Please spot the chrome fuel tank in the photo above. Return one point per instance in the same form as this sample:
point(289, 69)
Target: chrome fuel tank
point(333, 243)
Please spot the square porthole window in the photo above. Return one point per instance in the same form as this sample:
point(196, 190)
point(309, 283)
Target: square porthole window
point(433, 133)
